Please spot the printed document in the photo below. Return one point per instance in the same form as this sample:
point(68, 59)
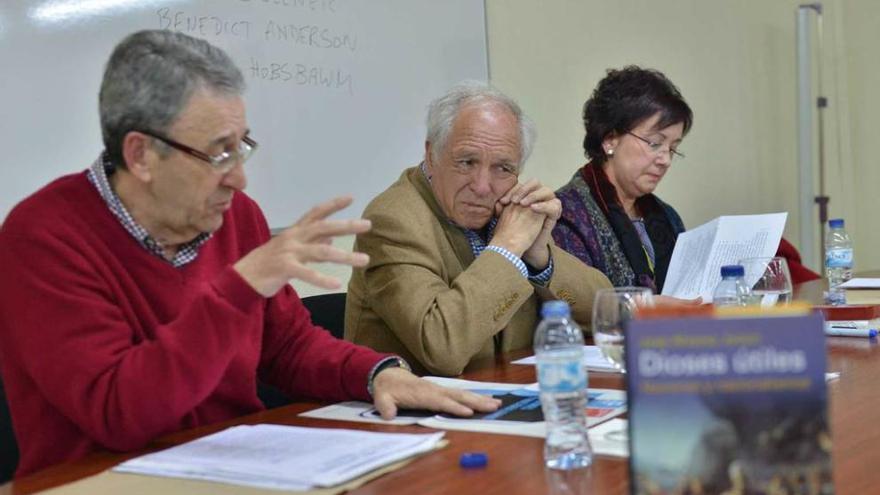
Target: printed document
point(364, 412)
point(695, 268)
point(520, 413)
point(593, 360)
point(282, 457)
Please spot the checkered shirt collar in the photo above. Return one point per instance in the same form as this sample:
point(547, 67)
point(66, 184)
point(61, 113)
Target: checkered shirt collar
point(98, 175)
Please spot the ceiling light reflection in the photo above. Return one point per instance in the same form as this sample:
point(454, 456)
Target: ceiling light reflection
point(65, 10)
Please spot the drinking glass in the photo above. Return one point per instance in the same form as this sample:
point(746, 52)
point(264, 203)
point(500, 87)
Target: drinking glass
point(769, 280)
point(612, 310)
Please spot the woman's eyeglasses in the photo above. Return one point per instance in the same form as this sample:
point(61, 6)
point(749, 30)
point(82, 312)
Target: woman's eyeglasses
point(658, 148)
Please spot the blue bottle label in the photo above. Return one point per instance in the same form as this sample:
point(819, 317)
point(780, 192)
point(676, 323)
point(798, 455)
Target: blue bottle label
point(557, 376)
point(839, 258)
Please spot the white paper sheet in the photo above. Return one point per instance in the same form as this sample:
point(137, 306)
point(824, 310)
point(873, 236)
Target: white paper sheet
point(610, 438)
point(282, 457)
point(361, 412)
point(593, 360)
point(861, 283)
point(695, 268)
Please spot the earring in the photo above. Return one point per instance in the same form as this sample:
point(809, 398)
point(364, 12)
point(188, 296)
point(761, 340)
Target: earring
point(609, 152)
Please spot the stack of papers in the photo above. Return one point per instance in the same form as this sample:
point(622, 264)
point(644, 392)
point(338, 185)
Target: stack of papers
point(282, 457)
point(593, 360)
point(862, 291)
point(861, 283)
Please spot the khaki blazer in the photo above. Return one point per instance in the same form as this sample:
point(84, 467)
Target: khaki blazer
point(424, 297)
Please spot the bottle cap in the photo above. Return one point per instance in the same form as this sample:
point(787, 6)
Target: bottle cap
point(836, 223)
point(472, 460)
point(732, 271)
point(556, 309)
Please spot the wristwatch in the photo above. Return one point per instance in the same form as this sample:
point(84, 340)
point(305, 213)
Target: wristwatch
point(389, 362)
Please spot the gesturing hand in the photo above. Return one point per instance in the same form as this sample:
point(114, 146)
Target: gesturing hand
point(270, 266)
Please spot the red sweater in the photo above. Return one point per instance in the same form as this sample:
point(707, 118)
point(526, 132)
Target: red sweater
point(104, 345)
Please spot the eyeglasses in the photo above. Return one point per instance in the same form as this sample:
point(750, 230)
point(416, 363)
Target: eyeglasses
point(222, 162)
point(657, 148)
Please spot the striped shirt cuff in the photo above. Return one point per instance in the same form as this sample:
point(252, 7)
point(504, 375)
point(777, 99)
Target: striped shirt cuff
point(517, 262)
point(543, 277)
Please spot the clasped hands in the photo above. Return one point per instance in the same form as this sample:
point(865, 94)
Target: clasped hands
point(526, 216)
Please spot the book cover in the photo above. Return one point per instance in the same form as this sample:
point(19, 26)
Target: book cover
point(728, 405)
point(849, 312)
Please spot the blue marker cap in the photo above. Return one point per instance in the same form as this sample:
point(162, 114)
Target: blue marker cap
point(872, 334)
point(472, 460)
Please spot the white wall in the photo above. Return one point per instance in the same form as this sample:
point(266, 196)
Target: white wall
point(734, 61)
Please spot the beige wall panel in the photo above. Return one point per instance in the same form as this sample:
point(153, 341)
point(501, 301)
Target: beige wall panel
point(734, 61)
point(861, 64)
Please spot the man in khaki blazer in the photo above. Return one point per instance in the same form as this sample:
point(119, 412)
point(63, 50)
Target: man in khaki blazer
point(460, 251)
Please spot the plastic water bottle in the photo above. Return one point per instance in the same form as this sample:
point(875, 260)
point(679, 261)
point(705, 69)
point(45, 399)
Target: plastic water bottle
point(562, 379)
point(838, 260)
point(732, 290)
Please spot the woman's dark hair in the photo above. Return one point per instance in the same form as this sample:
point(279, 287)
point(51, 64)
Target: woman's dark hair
point(626, 97)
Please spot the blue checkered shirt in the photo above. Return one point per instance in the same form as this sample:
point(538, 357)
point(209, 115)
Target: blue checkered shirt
point(478, 245)
point(98, 176)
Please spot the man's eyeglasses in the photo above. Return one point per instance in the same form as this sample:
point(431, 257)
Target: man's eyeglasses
point(222, 162)
point(657, 148)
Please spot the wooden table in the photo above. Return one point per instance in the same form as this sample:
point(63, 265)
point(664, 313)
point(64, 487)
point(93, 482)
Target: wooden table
point(515, 463)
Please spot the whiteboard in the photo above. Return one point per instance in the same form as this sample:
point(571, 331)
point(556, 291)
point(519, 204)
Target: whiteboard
point(337, 89)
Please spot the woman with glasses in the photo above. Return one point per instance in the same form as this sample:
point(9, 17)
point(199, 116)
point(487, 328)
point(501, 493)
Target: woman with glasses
point(635, 121)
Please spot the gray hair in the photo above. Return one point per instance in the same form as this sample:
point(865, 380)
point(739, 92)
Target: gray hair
point(443, 111)
point(149, 79)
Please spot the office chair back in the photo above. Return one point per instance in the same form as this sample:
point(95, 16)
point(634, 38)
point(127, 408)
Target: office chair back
point(8, 445)
point(328, 311)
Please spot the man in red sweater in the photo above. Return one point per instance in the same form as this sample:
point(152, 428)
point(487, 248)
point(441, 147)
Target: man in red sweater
point(145, 296)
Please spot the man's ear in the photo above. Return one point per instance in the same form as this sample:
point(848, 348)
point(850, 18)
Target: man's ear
point(429, 159)
point(136, 152)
